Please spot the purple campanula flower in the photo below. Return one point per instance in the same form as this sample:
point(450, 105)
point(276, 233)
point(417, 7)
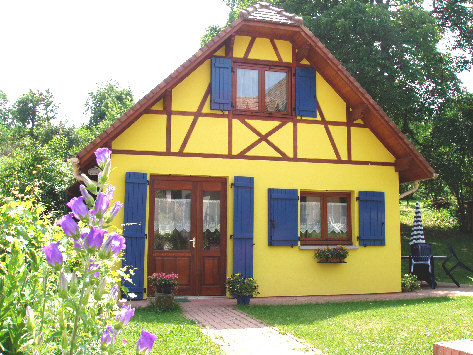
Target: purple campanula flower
point(114, 244)
point(62, 287)
point(101, 204)
point(125, 314)
point(112, 213)
point(89, 200)
point(146, 341)
point(109, 336)
point(102, 155)
point(95, 238)
point(109, 190)
point(78, 207)
point(53, 254)
point(114, 292)
point(93, 267)
point(68, 224)
point(78, 243)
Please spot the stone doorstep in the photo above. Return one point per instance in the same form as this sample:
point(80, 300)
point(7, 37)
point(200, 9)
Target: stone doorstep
point(456, 347)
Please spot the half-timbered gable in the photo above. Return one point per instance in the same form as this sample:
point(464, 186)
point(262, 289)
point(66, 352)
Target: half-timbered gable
point(256, 151)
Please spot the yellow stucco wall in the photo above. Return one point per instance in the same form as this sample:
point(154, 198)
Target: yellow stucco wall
point(278, 270)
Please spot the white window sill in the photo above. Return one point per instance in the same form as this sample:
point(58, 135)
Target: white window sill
point(324, 246)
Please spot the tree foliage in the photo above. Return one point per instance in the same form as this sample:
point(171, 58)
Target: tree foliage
point(107, 103)
point(450, 146)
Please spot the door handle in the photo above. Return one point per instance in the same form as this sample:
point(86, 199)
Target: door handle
point(193, 242)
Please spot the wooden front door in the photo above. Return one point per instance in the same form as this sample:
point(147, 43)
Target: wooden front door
point(187, 232)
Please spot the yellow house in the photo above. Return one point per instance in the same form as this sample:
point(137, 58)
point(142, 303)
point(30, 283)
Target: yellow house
point(255, 152)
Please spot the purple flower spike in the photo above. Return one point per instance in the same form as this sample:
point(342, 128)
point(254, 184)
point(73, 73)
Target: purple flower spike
point(102, 155)
point(93, 267)
point(68, 224)
point(109, 191)
point(114, 244)
point(101, 205)
point(125, 314)
point(146, 341)
point(95, 238)
point(53, 254)
point(78, 207)
point(89, 200)
point(109, 336)
point(114, 292)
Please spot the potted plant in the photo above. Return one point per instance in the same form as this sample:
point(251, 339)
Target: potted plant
point(242, 288)
point(164, 283)
point(336, 254)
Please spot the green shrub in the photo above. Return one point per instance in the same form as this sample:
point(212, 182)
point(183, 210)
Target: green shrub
point(409, 283)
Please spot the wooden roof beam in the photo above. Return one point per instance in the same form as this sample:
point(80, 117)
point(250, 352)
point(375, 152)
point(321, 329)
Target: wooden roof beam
point(357, 113)
point(229, 46)
point(302, 52)
point(403, 164)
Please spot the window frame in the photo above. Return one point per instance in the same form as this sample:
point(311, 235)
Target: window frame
point(325, 240)
point(261, 68)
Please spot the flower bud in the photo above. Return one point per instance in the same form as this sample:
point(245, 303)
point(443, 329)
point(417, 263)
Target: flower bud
point(91, 185)
point(100, 290)
point(73, 284)
point(29, 319)
point(88, 199)
point(62, 322)
point(86, 297)
point(64, 339)
point(104, 174)
point(62, 288)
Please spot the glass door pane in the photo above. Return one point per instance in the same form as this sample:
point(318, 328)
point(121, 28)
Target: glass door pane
point(172, 220)
point(211, 220)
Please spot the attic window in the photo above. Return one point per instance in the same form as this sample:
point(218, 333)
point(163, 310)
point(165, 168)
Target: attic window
point(261, 90)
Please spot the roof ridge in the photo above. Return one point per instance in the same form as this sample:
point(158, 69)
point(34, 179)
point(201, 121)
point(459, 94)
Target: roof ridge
point(251, 13)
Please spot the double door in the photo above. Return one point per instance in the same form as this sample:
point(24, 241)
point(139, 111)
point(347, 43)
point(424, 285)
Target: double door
point(187, 232)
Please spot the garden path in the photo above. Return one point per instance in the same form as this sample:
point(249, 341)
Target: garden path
point(238, 333)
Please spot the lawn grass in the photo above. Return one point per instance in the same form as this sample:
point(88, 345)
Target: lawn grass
point(175, 334)
point(380, 327)
point(440, 230)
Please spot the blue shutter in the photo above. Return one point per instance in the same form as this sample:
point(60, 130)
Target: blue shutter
point(134, 229)
point(283, 217)
point(372, 231)
point(243, 225)
point(221, 88)
point(306, 99)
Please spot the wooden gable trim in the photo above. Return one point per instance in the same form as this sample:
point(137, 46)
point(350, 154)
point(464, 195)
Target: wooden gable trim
point(275, 49)
point(318, 56)
point(327, 130)
point(263, 137)
point(194, 121)
point(250, 46)
point(357, 113)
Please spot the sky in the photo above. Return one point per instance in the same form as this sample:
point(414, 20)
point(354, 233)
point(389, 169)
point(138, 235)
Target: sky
point(69, 47)
point(72, 47)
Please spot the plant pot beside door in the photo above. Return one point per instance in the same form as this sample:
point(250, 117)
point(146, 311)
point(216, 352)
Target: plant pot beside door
point(164, 284)
point(242, 288)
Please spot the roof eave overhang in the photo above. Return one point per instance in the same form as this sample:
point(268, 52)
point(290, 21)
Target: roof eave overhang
point(410, 164)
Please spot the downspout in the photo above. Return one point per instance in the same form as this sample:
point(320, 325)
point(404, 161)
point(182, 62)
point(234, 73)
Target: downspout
point(411, 191)
point(76, 169)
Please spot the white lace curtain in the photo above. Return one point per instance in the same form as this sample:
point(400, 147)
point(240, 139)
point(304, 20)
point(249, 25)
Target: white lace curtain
point(176, 214)
point(336, 214)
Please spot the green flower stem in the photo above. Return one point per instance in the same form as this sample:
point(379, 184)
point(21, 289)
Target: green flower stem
point(79, 307)
point(46, 272)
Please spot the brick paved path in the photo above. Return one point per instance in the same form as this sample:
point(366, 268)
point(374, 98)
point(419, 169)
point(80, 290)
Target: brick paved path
point(238, 333)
